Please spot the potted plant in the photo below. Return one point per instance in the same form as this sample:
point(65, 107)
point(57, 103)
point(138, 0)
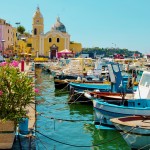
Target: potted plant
point(16, 92)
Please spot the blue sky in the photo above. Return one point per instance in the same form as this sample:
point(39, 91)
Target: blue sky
point(94, 23)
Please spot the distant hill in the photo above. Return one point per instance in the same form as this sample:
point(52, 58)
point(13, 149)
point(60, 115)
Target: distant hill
point(107, 52)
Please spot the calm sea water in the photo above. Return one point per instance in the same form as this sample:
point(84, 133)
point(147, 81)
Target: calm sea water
point(62, 126)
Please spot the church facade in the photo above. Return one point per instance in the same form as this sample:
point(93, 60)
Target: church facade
point(55, 40)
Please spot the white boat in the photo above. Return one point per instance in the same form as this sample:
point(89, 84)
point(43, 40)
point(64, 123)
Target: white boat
point(139, 105)
point(135, 131)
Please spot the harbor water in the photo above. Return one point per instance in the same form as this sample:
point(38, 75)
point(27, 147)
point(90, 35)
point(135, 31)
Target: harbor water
point(63, 126)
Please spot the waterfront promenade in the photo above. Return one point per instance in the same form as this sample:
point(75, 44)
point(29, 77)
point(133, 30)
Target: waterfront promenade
point(28, 69)
point(28, 141)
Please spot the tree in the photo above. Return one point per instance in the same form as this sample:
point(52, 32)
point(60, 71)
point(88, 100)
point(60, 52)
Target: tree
point(27, 34)
point(21, 29)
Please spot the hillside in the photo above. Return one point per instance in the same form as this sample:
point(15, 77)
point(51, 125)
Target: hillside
point(107, 52)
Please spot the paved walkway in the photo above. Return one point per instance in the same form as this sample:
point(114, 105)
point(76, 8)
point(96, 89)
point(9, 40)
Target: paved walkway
point(31, 109)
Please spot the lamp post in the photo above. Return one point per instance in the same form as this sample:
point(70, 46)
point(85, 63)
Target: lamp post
point(114, 45)
point(3, 48)
point(17, 23)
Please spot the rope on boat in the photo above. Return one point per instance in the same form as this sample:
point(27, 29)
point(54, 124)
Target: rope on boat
point(64, 87)
point(72, 96)
point(77, 98)
point(102, 143)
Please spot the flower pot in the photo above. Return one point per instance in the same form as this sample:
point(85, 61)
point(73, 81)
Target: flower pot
point(23, 126)
point(7, 134)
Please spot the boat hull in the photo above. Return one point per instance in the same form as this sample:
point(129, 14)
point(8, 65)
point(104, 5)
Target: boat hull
point(137, 138)
point(76, 96)
point(91, 86)
point(135, 131)
point(61, 84)
point(104, 111)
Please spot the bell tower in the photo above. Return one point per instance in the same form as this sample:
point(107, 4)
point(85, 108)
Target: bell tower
point(37, 31)
point(37, 24)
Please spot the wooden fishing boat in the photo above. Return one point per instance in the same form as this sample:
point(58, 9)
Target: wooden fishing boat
point(109, 96)
point(139, 105)
point(107, 91)
point(63, 82)
point(135, 130)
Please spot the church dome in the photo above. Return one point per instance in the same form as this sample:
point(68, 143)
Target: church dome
point(59, 26)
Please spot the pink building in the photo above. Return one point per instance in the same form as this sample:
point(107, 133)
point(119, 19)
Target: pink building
point(6, 35)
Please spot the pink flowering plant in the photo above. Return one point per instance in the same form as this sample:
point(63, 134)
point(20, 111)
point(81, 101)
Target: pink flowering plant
point(16, 92)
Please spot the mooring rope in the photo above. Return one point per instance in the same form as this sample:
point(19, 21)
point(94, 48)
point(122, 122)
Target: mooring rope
point(64, 87)
point(68, 120)
point(77, 98)
point(102, 143)
point(42, 142)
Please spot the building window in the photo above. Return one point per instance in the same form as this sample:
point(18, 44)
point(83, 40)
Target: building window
point(8, 38)
point(35, 31)
point(8, 30)
point(50, 39)
point(58, 40)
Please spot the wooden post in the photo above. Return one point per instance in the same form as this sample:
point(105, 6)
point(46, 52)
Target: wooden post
point(22, 65)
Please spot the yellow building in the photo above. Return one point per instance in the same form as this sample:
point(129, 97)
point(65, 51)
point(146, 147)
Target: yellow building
point(24, 46)
point(55, 40)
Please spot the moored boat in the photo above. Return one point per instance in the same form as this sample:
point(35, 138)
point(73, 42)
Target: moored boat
point(108, 90)
point(135, 130)
point(139, 105)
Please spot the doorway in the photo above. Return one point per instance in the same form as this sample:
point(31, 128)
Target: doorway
point(53, 51)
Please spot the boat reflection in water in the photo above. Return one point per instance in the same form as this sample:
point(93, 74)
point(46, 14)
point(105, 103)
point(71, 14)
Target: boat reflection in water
point(105, 139)
point(100, 139)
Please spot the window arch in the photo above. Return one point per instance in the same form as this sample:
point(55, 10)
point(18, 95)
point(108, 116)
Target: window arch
point(35, 31)
point(58, 40)
point(50, 39)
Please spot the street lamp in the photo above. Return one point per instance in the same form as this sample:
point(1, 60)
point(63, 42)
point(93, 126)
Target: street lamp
point(3, 48)
point(17, 23)
point(115, 45)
